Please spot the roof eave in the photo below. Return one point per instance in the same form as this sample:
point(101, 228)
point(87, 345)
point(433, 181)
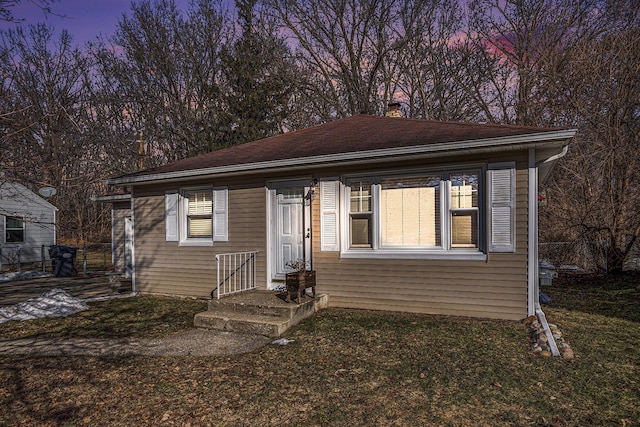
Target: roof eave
point(477, 146)
point(111, 198)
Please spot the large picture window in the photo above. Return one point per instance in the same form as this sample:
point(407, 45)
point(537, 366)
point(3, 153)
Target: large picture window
point(409, 211)
point(14, 230)
point(432, 212)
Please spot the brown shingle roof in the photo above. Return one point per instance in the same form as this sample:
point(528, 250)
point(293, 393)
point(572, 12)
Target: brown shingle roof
point(359, 133)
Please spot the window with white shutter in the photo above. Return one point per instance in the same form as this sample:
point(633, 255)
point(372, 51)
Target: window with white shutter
point(197, 216)
point(329, 192)
point(502, 207)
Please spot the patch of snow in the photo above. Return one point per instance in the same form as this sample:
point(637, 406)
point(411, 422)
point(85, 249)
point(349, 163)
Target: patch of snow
point(54, 303)
point(281, 341)
point(25, 275)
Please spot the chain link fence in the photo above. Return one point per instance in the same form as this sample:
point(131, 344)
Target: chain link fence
point(568, 254)
point(590, 256)
point(90, 258)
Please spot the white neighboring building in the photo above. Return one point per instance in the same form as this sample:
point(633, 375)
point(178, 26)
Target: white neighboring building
point(27, 222)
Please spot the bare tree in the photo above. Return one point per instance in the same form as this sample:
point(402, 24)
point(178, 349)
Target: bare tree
point(434, 65)
point(6, 8)
point(516, 41)
point(45, 139)
point(348, 51)
point(594, 195)
point(160, 75)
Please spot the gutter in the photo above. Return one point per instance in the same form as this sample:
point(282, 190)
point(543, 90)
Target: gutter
point(545, 166)
point(113, 198)
point(555, 157)
point(478, 146)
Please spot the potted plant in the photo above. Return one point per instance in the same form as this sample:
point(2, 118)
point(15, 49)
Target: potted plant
point(300, 279)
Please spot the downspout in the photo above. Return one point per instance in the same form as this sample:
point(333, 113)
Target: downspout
point(534, 284)
point(532, 256)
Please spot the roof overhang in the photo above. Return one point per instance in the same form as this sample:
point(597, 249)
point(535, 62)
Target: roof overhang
point(111, 198)
point(547, 142)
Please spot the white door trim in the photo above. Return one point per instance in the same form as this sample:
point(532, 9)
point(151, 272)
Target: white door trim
point(273, 280)
point(128, 247)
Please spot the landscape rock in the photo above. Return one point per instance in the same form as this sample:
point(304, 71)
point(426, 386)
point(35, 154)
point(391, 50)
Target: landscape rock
point(540, 342)
point(567, 353)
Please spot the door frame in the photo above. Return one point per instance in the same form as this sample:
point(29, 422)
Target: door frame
point(272, 225)
point(127, 253)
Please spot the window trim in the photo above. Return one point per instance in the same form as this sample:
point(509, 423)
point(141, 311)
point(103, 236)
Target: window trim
point(360, 215)
point(183, 217)
point(6, 230)
point(482, 184)
point(445, 251)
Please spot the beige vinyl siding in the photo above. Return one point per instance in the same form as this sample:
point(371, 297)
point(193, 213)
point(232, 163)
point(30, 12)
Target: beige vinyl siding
point(119, 212)
point(495, 288)
point(167, 268)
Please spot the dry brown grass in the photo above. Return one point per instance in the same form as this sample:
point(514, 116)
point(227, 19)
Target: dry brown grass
point(347, 367)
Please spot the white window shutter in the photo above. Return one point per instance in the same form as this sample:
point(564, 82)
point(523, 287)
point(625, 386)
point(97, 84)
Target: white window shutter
point(171, 216)
point(220, 215)
point(502, 183)
point(329, 236)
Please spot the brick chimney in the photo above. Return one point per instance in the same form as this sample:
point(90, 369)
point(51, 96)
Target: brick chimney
point(394, 110)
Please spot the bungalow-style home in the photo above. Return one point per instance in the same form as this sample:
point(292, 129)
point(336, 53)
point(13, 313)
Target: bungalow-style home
point(27, 223)
point(391, 213)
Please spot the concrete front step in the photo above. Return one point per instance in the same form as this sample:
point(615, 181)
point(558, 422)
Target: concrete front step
point(257, 312)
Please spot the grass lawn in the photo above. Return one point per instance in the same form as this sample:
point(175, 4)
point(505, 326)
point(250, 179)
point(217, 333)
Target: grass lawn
point(344, 367)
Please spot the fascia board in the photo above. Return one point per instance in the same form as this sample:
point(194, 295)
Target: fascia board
point(476, 146)
point(114, 198)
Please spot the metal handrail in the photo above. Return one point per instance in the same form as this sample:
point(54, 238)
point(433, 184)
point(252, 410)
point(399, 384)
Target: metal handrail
point(236, 272)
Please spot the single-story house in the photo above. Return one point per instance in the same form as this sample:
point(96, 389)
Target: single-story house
point(27, 223)
point(391, 213)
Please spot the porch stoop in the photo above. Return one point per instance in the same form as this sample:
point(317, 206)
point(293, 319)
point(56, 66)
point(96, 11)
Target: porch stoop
point(258, 312)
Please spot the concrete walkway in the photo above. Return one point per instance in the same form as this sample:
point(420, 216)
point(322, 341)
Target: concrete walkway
point(195, 342)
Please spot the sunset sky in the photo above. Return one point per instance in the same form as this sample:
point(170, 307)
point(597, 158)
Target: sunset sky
point(84, 19)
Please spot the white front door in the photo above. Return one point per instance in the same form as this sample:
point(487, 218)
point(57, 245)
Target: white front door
point(290, 220)
point(287, 229)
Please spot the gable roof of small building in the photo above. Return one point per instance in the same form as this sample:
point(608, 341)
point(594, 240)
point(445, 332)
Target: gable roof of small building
point(19, 198)
point(358, 139)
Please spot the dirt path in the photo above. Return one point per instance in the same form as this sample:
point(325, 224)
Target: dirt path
point(195, 342)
